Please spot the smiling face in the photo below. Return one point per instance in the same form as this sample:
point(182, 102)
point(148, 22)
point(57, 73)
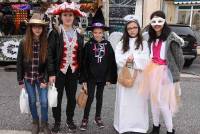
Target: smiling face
point(157, 23)
point(132, 29)
point(37, 30)
point(98, 34)
point(67, 18)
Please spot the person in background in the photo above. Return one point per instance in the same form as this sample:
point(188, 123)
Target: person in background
point(22, 28)
point(8, 26)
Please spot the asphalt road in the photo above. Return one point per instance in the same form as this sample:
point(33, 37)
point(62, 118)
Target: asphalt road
point(187, 121)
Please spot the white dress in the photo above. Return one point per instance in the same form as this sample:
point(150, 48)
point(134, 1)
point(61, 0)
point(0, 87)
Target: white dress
point(131, 108)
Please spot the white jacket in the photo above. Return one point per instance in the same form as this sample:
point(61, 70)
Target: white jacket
point(141, 56)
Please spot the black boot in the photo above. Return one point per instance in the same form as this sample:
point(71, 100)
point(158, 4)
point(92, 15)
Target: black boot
point(156, 130)
point(56, 127)
point(173, 132)
point(45, 128)
point(35, 127)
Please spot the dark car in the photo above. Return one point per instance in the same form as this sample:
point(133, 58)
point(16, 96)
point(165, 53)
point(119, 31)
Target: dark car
point(190, 43)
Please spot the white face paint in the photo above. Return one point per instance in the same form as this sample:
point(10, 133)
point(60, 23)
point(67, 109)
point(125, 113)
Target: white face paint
point(157, 21)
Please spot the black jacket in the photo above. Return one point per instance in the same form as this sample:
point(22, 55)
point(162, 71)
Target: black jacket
point(25, 66)
point(55, 51)
point(102, 68)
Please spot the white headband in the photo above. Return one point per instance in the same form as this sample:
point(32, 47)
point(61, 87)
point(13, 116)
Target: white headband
point(157, 21)
point(130, 18)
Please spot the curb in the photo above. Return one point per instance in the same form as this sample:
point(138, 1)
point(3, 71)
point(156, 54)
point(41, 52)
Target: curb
point(19, 132)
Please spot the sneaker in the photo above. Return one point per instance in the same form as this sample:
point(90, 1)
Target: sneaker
point(56, 127)
point(99, 122)
point(84, 125)
point(71, 126)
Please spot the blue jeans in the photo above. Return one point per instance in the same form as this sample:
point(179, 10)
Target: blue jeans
point(31, 90)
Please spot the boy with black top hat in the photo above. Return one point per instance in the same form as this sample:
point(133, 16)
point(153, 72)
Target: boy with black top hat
point(99, 68)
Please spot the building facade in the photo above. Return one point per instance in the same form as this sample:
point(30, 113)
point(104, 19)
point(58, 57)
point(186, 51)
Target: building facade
point(141, 8)
point(183, 12)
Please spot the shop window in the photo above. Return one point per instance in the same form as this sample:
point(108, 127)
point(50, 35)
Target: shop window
point(196, 20)
point(184, 14)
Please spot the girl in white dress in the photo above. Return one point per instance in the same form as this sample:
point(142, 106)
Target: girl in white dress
point(131, 108)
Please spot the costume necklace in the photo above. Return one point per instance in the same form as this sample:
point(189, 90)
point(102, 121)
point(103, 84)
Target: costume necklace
point(69, 43)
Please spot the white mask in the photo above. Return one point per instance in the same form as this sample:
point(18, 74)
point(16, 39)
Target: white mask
point(157, 21)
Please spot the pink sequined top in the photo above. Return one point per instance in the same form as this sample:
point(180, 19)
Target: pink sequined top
point(156, 53)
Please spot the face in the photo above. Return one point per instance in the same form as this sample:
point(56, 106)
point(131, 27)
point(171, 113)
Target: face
point(132, 29)
point(67, 18)
point(157, 23)
point(98, 34)
point(37, 30)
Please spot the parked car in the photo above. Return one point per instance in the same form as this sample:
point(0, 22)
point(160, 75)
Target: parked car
point(190, 42)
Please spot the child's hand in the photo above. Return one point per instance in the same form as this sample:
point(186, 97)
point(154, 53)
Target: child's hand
point(52, 79)
point(130, 59)
point(43, 85)
point(21, 86)
point(84, 85)
point(108, 83)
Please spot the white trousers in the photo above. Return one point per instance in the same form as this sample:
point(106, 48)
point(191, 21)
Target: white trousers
point(164, 109)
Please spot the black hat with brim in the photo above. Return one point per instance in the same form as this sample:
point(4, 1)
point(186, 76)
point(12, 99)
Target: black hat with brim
point(98, 21)
point(97, 25)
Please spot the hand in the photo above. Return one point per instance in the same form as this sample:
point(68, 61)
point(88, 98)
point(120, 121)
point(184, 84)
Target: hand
point(43, 85)
point(108, 83)
point(139, 70)
point(22, 86)
point(130, 59)
point(84, 85)
point(52, 79)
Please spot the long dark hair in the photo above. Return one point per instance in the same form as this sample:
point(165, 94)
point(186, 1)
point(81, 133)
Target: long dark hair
point(165, 31)
point(126, 37)
point(28, 42)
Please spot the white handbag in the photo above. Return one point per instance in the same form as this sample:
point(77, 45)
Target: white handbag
point(52, 96)
point(23, 101)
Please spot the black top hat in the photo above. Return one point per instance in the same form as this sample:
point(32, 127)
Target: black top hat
point(98, 21)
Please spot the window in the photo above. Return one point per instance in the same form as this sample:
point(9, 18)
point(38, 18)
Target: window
point(184, 15)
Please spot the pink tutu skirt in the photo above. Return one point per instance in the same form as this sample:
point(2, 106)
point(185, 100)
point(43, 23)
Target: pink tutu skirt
point(158, 85)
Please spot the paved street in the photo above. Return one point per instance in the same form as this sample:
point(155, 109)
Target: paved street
point(187, 121)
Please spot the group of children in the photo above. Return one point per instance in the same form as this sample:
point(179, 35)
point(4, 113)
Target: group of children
point(63, 59)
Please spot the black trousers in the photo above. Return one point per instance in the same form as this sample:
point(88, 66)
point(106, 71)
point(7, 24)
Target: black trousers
point(69, 83)
point(99, 98)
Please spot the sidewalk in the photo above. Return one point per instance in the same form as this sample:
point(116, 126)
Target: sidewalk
point(13, 132)
point(187, 121)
